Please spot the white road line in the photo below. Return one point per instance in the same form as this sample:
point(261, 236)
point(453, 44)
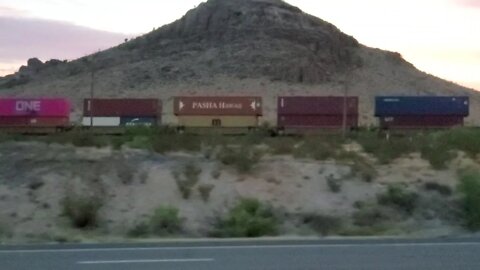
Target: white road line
point(312, 246)
point(148, 261)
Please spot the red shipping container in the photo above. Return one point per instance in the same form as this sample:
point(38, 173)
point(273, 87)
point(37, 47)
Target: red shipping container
point(421, 122)
point(21, 121)
point(233, 106)
point(316, 121)
point(122, 107)
point(34, 107)
point(316, 105)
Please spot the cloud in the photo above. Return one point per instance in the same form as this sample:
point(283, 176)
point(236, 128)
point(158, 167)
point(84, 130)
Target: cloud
point(11, 12)
point(23, 38)
point(469, 3)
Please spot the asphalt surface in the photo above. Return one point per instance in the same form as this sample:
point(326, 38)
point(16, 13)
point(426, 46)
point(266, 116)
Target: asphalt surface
point(438, 254)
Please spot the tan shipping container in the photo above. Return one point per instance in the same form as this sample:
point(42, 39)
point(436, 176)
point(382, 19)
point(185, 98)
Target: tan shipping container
point(218, 105)
point(218, 121)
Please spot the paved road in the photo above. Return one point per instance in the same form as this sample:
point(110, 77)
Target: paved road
point(454, 254)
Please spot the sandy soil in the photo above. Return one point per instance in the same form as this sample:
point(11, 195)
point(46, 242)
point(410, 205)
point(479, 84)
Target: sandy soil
point(35, 177)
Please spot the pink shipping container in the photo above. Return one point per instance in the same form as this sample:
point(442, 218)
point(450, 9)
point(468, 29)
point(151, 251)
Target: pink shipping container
point(316, 121)
point(21, 121)
point(420, 122)
point(317, 105)
point(34, 107)
point(218, 105)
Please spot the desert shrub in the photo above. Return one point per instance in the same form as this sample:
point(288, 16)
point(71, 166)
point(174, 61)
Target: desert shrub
point(165, 221)
point(205, 190)
point(463, 139)
point(243, 159)
point(387, 150)
point(470, 189)
point(82, 210)
point(5, 231)
point(399, 197)
point(373, 216)
point(282, 145)
point(359, 165)
point(335, 185)
point(140, 142)
point(162, 143)
point(442, 189)
point(141, 229)
point(249, 218)
point(318, 148)
point(187, 179)
point(323, 224)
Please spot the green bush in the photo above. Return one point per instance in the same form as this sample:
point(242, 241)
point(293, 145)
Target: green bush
point(442, 189)
point(243, 159)
point(249, 218)
point(400, 198)
point(387, 150)
point(323, 224)
point(373, 216)
point(470, 189)
point(205, 190)
point(335, 185)
point(162, 143)
point(359, 165)
point(165, 221)
point(187, 179)
point(318, 148)
point(82, 210)
point(142, 229)
point(140, 142)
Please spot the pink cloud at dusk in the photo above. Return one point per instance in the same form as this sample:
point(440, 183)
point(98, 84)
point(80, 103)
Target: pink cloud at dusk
point(469, 3)
point(23, 38)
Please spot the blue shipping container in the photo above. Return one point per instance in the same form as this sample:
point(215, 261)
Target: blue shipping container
point(138, 121)
point(417, 105)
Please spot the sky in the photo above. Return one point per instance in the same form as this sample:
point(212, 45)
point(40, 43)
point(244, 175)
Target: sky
point(441, 37)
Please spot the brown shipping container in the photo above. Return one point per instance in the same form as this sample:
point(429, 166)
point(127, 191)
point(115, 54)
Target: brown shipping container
point(218, 121)
point(316, 105)
point(316, 121)
point(34, 121)
point(420, 122)
point(122, 107)
point(218, 106)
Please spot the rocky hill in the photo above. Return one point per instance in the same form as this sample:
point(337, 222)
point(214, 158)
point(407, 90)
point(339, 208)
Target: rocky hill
point(236, 47)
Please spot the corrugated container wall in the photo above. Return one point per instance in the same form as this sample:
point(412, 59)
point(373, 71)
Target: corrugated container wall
point(122, 107)
point(407, 122)
point(317, 121)
point(317, 112)
point(22, 121)
point(317, 105)
point(232, 106)
point(417, 105)
point(206, 121)
point(34, 107)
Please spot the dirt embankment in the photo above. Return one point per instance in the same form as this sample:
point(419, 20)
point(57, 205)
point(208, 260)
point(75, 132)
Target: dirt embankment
point(35, 179)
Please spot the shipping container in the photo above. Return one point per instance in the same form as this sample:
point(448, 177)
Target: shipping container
point(296, 105)
point(233, 106)
point(420, 122)
point(101, 121)
point(34, 107)
point(22, 121)
point(317, 121)
point(218, 121)
point(122, 107)
point(418, 105)
point(138, 121)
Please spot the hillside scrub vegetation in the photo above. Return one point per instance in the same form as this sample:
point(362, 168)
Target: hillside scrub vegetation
point(249, 218)
point(470, 190)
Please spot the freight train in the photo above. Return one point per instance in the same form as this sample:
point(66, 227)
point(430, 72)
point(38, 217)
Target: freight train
point(295, 114)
